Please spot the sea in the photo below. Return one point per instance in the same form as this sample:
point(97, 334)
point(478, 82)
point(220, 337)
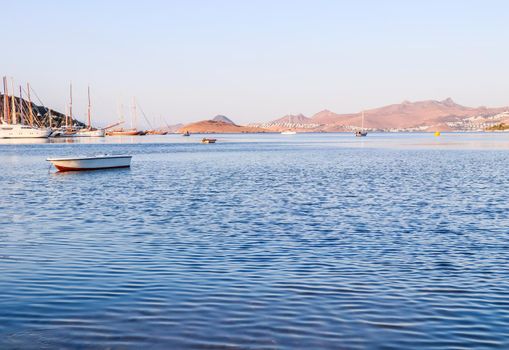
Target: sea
point(260, 241)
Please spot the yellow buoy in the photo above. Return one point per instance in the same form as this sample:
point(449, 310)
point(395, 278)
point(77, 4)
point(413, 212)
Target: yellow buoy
point(437, 133)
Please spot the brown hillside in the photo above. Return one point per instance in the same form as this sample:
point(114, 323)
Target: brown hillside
point(219, 127)
point(403, 115)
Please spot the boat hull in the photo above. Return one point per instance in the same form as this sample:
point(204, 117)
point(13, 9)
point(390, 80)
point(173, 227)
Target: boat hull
point(17, 131)
point(90, 133)
point(91, 163)
point(124, 133)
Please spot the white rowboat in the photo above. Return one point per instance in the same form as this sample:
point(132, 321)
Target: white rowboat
point(91, 163)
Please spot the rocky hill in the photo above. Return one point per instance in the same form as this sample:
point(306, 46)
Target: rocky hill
point(43, 116)
point(213, 127)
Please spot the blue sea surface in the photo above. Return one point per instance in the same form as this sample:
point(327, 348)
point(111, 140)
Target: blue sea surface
point(307, 241)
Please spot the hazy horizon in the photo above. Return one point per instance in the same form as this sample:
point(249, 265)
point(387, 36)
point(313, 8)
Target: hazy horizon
point(256, 61)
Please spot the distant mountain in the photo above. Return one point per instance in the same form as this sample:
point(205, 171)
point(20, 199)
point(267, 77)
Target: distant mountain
point(293, 119)
point(224, 119)
point(406, 116)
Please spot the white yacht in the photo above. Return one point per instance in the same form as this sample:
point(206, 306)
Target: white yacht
point(89, 133)
point(288, 132)
point(19, 131)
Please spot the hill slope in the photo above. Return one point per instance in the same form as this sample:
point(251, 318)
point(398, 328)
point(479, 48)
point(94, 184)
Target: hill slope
point(212, 127)
point(406, 116)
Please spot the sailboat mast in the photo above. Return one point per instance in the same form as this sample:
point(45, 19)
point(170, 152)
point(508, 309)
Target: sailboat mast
point(121, 111)
point(134, 120)
point(13, 104)
point(6, 101)
point(362, 122)
point(30, 111)
point(88, 117)
point(70, 104)
point(66, 116)
point(21, 116)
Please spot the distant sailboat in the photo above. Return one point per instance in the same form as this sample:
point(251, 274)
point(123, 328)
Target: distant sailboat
point(289, 131)
point(133, 131)
point(89, 131)
point(362, 132)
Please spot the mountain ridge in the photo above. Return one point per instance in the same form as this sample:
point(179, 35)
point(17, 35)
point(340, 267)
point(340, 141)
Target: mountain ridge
point(426, 115)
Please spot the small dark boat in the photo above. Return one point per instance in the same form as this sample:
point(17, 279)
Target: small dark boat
point(186, 134)
point(206, 140)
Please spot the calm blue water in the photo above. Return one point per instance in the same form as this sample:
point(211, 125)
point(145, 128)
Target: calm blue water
point(259, 242)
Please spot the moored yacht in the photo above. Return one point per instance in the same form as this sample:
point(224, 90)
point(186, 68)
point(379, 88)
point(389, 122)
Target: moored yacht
point(12, 121)
point(90, 133)
point(124, 132)
point(19, 131)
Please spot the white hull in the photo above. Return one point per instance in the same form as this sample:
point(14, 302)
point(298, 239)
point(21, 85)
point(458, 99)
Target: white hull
point(91, 163)
point(288, 133)
point(18, 131)
point(90, 133)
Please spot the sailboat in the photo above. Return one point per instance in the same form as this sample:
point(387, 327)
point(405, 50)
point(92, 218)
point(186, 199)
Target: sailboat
point(362, 132)
point(66, 130)
point(9, 126)
point(133, 131)
point(89, 131)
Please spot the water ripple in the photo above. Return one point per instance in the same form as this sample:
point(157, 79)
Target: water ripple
point(259, 245)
